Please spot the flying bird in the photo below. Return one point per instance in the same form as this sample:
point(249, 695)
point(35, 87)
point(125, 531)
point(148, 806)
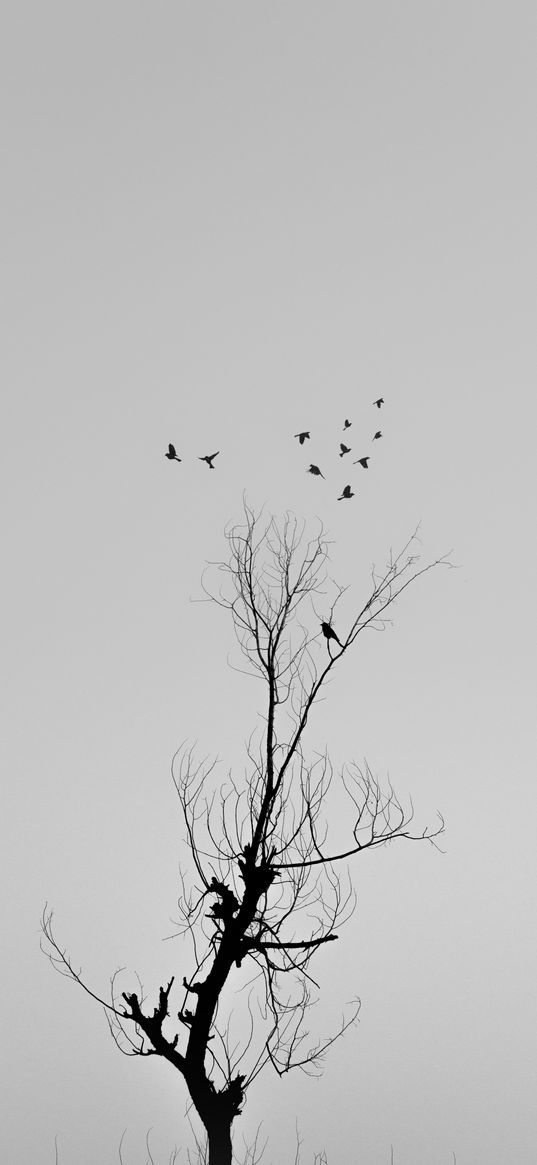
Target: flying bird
point(329, 634)
point(362, 461)
point(171, 454)
point(347, 493)
point(377, 435)
point(209, 459)
point(347, 424)
point(316, 471)
point(379, 402)
point(344, 449)
point(302, 436)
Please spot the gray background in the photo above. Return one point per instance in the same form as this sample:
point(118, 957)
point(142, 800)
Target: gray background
point(223, 223)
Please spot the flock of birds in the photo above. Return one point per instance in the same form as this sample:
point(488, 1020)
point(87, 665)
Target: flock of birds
point(344, 449)
point(328, 631)
point(302, 437)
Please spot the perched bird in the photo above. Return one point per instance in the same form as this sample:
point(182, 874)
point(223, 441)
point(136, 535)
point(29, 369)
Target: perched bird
point(344, 449)
point(209, 460)
point(347, 424)
point(347, 493)
point(316, 471)
point(171, 454)
point(302, 436)
point(379, 402)
point(329, 633)
point(377, 435)
point(362, 461)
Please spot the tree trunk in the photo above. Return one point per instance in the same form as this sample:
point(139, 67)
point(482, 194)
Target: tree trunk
point(219, 1137)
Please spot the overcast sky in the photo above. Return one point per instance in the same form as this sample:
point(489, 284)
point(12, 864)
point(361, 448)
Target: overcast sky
point(224, 223)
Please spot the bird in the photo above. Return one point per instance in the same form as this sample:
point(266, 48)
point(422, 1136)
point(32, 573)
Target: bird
point(316, 471)
point(344, 449)
point(347, 493)
point(171, 454)
point(362, 461)
point(209, 459)
point(379, 402)
point(377, 435)
point(329, 634)
point(347, 424)
point(302, 436)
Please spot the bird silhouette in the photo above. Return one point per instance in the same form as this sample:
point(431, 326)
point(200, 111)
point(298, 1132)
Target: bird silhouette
point(379, 402)
point(347, 493)
point(344, 449)
point(347, 424)
point(329, 634)
point(316, 471)
point(377, 435)
point(171, 454)
point(209, 459)
point(302, 436)
point(362, 461)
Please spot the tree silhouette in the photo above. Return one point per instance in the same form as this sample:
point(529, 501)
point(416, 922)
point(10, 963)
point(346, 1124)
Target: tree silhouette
point(266, 892)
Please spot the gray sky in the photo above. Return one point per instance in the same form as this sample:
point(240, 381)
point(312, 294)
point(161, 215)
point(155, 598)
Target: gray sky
point(222, 224)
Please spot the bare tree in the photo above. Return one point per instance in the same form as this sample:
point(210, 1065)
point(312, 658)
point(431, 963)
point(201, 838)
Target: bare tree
point(271, 881)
